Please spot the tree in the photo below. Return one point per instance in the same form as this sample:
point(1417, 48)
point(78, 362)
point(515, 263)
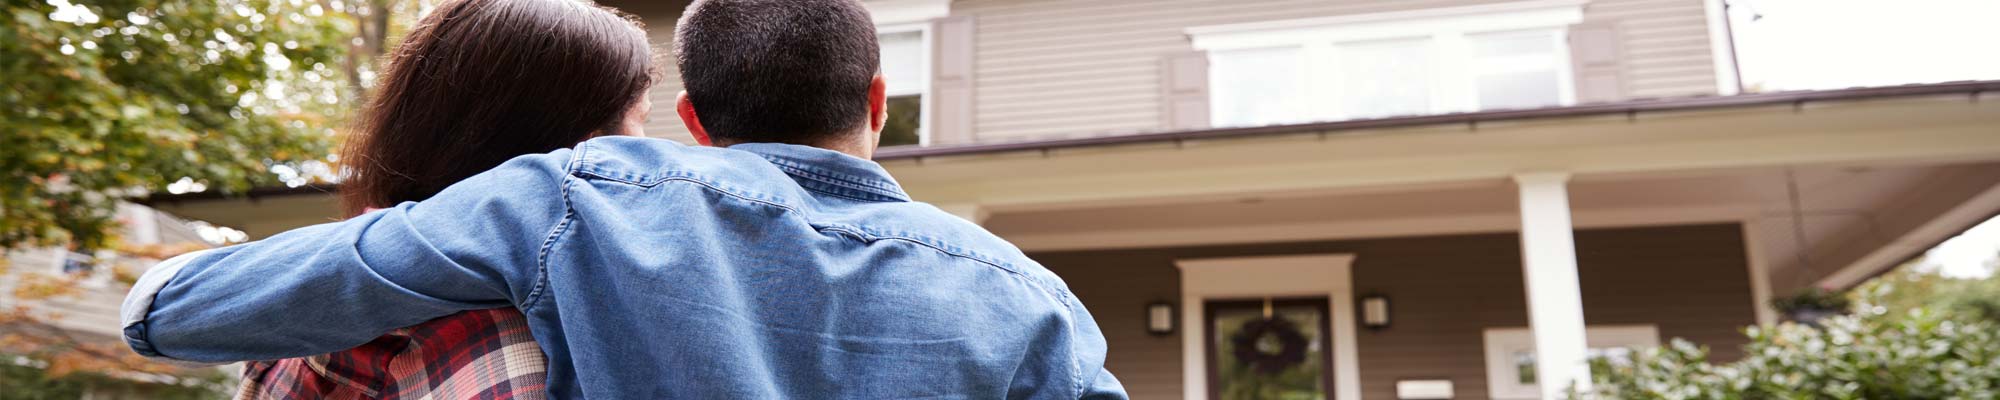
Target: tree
point(102, 100)
point(119, 98)
point(1918, 285)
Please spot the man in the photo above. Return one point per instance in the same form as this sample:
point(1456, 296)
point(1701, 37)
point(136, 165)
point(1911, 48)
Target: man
point(786, 265)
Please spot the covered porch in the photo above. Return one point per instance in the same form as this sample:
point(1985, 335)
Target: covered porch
point(1491, 236)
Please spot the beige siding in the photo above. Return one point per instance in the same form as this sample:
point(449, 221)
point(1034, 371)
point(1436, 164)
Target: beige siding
point(1055, 68)
point(1665, 43)
point(1063, 68)
point(659, 18)
point(1690, 281)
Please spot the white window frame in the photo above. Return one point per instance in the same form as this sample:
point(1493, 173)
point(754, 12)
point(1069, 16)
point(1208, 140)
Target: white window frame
point(1503, 378)
point(1447, 29)
point(1330, 275)
point(923, 30)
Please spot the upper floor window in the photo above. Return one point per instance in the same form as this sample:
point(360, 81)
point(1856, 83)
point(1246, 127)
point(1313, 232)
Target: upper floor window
point(903, 30)
point(906, 68)
point(1497, 56)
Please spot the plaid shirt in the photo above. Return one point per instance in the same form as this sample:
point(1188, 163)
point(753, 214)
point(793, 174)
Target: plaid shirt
point(484, 354)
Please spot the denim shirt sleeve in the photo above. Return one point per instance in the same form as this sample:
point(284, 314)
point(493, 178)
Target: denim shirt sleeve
point(329, 287)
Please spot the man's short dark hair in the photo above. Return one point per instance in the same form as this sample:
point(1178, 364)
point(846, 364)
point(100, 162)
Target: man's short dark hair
point(783, 71)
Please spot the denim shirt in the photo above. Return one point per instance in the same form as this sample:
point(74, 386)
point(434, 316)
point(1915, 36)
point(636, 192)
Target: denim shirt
point(650, 269)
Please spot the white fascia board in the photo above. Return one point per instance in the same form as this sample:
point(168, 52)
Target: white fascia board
point(1415, 23)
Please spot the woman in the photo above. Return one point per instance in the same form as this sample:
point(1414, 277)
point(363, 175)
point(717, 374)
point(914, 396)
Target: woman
point(475, 83)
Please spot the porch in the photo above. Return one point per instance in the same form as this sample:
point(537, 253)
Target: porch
point(1491, 237)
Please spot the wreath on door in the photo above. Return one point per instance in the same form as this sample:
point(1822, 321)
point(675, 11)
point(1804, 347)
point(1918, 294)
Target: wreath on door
point(1269, 345)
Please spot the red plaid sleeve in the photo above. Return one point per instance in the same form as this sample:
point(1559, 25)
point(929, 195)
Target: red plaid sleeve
point(486, 354)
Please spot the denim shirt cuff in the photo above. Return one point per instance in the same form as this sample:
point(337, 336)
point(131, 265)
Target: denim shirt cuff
point(139, 303)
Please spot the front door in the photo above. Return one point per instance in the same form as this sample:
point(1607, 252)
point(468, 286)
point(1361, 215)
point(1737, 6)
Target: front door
point(1268, 349)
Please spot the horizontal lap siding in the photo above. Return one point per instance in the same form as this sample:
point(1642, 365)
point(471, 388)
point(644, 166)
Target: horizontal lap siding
point(1062, 68)
point(1691, 281)
point(1665, 45)
point(659, 17)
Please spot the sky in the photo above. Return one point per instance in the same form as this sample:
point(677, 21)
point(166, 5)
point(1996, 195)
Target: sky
point(1830, 44)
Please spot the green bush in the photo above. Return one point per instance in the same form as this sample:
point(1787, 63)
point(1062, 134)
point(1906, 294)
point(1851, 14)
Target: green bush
point(21, 382)
point(1873, 354)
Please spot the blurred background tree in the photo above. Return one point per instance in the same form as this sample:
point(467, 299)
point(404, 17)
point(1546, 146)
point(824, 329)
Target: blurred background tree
point(106, 100)
point(111, 99)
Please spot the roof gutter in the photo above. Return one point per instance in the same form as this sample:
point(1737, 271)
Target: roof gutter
point(1796, 98)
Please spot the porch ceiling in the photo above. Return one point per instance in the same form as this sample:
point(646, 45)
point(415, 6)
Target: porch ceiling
point(1843, 208)
point(1954, 128)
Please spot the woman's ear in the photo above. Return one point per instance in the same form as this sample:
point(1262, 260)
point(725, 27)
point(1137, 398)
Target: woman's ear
point(685, 108)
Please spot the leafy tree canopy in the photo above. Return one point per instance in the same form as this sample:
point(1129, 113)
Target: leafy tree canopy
point(109, 99)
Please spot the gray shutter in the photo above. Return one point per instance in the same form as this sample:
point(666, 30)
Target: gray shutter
point(951, 81)
point(1184, 91)
point(1593, 48)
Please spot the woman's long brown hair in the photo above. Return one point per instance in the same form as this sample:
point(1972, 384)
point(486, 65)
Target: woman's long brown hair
point(478, 82)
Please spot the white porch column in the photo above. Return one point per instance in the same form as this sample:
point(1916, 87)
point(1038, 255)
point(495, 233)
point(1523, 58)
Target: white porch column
point(1555, 302)
point(969, 211)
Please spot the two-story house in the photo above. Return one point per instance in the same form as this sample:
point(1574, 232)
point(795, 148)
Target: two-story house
point(1373, 199)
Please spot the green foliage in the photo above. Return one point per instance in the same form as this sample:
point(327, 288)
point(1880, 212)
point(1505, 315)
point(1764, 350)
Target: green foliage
point(29, 383)
point(1912, 287)
point(118, 98)
point(1238, 380)
point(1815, 299)
point(1874, 354)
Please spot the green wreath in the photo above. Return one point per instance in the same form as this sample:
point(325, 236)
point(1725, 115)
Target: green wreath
point(1269, 358)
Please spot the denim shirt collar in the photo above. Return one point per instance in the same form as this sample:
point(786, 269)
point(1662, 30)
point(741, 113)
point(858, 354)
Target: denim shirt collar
point(830, 172)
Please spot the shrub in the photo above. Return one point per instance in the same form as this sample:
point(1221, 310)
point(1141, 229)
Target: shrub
point(1873, 354)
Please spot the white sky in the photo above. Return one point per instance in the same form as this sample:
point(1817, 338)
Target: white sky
point(1828, 44)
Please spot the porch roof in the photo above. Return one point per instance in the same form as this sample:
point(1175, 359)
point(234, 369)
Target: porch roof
point(1631, 108)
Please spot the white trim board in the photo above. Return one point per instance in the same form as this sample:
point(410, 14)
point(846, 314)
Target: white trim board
point(1760, 273)
point(888, 12)
point(1457, 224)
point(1328, 275)
point(1502, 379)
point(1414, 23)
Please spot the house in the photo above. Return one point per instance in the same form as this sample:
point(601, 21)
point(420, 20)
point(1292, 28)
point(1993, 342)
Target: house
point(61, 304)
point(1381, 199)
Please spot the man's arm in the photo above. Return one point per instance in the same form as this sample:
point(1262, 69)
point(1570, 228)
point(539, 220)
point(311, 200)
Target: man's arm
point(334, 286)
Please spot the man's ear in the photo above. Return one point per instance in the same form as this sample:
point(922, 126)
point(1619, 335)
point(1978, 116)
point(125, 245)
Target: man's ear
point(878, 105)
point(685, 108)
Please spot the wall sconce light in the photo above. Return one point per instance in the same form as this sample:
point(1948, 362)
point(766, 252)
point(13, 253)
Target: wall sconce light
point(1375, 311)
point(1160, 318)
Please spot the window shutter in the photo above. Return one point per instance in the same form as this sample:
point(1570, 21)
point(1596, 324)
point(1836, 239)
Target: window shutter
point(1184, 91)
point(1596, 60)
point(951, 81)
